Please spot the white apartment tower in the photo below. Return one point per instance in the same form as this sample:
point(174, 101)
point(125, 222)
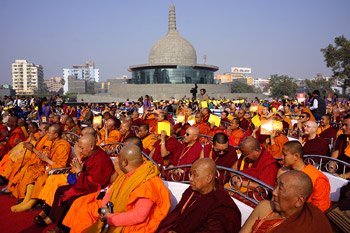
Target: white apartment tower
point(27, 78)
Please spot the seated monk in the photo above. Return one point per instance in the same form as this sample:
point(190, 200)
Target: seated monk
point(109, 133)
point(289, 210)
point(313, 144)
point(84, 210)
point(224, 116)
point(15, 136)
point(275, 142)
point(125, 131)
point(164, 149)
point(293, 157)
point(136, 118)
point(35, 175)
point(161, 117)
point(220, 151)
point(107, 115)
point(205, 206)
point(72, 127)
point(244, 123)
point(47, 194)
point(287, 124)
point(147, 138)
point(206, 114)
point(180, 127)
point(299, 126)
point(92, 173)
point(3, 129)
point(325, 130)
point(139, 197)
point(234, 133)
point(257, 162)
point(203, 127)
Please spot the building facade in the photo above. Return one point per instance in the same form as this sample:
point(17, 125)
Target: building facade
point(85, 72)
point(27, 78)
point(54, 85)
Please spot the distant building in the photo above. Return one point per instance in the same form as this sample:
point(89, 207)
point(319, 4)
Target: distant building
point(236, 74)
point(54, 85)
point(77, 85)
point(27, 78)
point(103, 87)
point(85, 72)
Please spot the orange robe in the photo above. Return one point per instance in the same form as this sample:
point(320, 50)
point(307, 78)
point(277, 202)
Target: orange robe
point(113, 136)
point(53, 182)
point(76, 129)
point(148, 143)
point(235, 137)
point(320, 196)
point(17, 133)
point(204, 129)
point(276, 149)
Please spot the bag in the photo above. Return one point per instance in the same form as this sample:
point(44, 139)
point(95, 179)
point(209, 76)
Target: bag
point(71, 178)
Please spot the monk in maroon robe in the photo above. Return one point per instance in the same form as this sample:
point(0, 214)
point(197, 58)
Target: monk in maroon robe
point(92, 175)
point(161, 155)
point(325, 130)
point(313, 144)
point(204, 207)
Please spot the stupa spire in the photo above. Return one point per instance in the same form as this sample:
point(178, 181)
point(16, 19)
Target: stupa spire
point(172, 20)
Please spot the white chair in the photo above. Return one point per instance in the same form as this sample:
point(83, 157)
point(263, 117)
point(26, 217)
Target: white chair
point(336, 183)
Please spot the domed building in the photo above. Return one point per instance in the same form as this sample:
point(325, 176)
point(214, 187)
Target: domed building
point(172, 59)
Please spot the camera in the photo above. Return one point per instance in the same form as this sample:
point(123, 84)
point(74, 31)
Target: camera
point(102, 210)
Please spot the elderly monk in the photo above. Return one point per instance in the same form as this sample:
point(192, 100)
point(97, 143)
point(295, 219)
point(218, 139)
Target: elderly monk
point(164, 149)
point(275, 142)
point(293, 157)
point(93, 173)
point(72, 127)
point(125, 131)
point(257, 162)
point(289, 210)
point(234, 133)
point(84, 210)
point(243, 123)
point(203, 127)
point(161, 117)
point(206, 114)
point(325, 130)
point(109, 133)
point(35, 175)
point(63, 121)
point(107, 115)
point(205, 206)
point(136, 118)
point(147, 138)
point(139, 197)
point(313, 144)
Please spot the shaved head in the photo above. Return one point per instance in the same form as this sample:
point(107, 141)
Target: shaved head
point(299, 181)
point(203, 173)
point(88, 130)
point(88, 139)
point(250, 142)
point(194, 131)
point(129, 158)
point(134, 141)
point(56, 129)
point(110, 122)
point(208, 165)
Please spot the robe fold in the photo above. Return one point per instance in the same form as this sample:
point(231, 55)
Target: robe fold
point(235, 137)
point(15, 134)
point(276, 149)
point(316, 146)
point(113, 136)
point(212, 212)
point(171, 145)
point(244, 124)
point(148, 143)
point(328, 133)
point(187, 155)
point(204, 128)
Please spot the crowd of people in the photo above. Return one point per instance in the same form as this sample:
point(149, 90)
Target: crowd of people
point(127, 193)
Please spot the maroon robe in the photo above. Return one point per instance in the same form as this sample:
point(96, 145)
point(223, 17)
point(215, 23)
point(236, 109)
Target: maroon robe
point(340, 145)
point(186, 155)
point(136, 122)
point(316, 146)
point(171, 145)
point(206, 118)
point(264, 168)
point(212, 212)
point(180, 129)
point(130, 134)
point(244, 124)
point(329, 133)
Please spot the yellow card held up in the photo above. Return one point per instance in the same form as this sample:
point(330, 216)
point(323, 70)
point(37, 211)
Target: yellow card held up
point(253, 108)
point(215, 120)
point(204, 104)
point(164, 126)
point(97, 121)
point(274, 109)
point(277, 125)
point(180, 119)
point(256, 121)
point(266, 127)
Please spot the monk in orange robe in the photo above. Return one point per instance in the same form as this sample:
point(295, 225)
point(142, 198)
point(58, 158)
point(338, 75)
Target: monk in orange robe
point(234, 133)
point(203, 127)
point(147, 138)
point(109, 133)
point(59, 156)
point(161, 117)
point(293, 157)
point(275, 142)
point(72, 127)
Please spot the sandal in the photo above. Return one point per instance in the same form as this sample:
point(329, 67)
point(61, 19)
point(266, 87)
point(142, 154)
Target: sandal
point(37, 218)
point(41, 223)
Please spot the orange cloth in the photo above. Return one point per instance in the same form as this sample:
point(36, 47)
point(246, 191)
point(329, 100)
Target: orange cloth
point(266, 226)
point(24, 131)
point(76, 129)
point(204, 129)
point(276, 149)
point(312, 118)
point(15, 134)
point(215, 130)
point(320, 196)
point(13, 186)
point(235, 137)
point(148, 142)
point(53, 182)
point(83, 213)
point(113, 136)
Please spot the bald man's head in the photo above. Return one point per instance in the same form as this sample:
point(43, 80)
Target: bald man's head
point(88, 130)
point(250, 142)
point(87, 144)
point(110, 124)
point(133, 141)
point(310, 128)
point(203, 173)
point(191, 135)
point(129, 158)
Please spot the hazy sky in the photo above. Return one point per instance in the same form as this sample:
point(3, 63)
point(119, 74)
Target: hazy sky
point(271, 37)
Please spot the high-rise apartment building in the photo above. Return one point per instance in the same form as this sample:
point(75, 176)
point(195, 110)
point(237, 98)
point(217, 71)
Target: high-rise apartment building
point(54, 84)
point(83, 72)
point(27, 78)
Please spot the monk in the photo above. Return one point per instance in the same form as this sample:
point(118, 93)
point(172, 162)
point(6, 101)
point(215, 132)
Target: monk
point(139, 197)
point(288, 211)
point(147, 138)
point(107, 115)
point(293, 157)
point(205, 206)
point(203, 127)
point(206, 114)
point(164, 149)
point(244, 123)
point(3, 129)
point(313, 145)
point(275, 142)
point(72, 127)
point(125, 131)
point(35, 174)
point(234, 133)
point(84, 210)
point(325, 130)
point(161, 117)
point(93, 173)
point(257, 162)
point(220, 151)
point(136, 118)
point(109, 133)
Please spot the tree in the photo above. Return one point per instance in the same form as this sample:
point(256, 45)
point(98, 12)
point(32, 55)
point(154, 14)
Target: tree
point(320, 84)
point(239, 87)
point(338, 58)
point(62, 81)
point(281, 85)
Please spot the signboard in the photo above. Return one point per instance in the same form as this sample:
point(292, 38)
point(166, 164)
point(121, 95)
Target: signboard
point(240, 70)
point(301, 97)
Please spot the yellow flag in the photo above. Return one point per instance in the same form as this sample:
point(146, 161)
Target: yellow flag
point(164, 126)
point(215, 120)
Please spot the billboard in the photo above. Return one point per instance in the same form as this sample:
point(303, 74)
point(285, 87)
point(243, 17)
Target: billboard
point(240, 70)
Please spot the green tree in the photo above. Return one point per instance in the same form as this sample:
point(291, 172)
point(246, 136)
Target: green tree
point(239, 87)
point(338, 58)
point(320, 84)
point(280, 86)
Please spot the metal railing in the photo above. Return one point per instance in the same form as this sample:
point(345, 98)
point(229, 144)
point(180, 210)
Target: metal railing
point(70, 137)
point(327, 164)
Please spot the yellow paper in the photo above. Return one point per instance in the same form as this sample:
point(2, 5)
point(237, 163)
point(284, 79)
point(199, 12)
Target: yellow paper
point(274, 109)
point(97, 121)
point(180, 119)
point(268, 125)
point(277, 125)
point(254, 108)
point(241, 101)
point(256, 121)
point(164, 126)
point(204, 104)
point(215, 120)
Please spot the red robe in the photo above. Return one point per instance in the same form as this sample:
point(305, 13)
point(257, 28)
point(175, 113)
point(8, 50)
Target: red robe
point(180, 129)
point(244, 124)
point(136, 122)
point(171, 145)
point(187, 155)
point(264, 168)
point(17, 133)
point(329, 133)
point(316, 146)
